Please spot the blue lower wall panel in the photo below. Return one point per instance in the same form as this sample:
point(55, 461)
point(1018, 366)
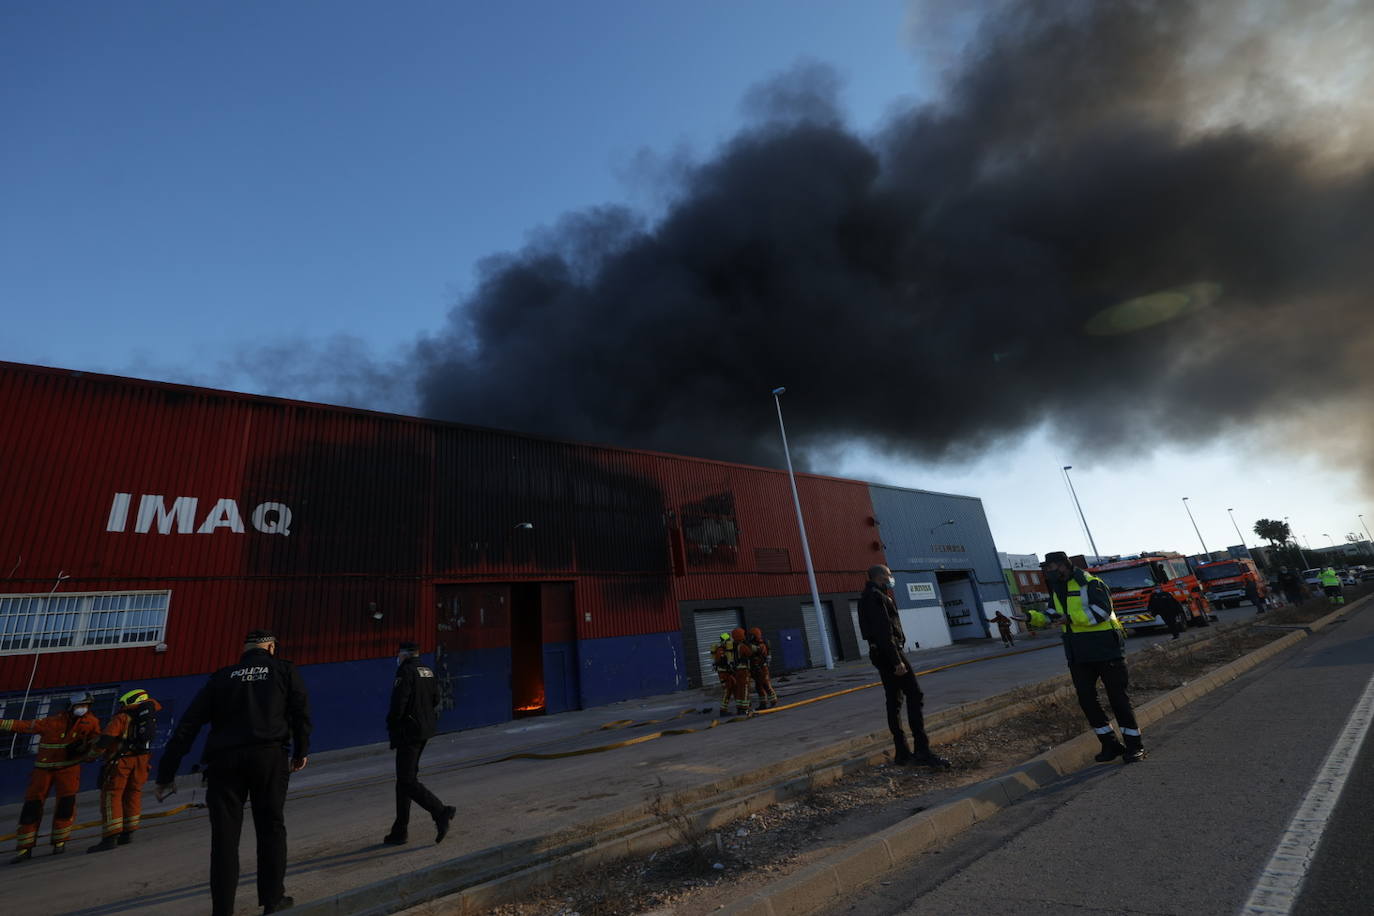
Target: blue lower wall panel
point(624, 667)
point(348, 700)
point(477, 688)
point(561, 689)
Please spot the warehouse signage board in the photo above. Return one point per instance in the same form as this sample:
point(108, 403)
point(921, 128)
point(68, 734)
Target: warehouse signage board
point(921, 591)
point(155, 515)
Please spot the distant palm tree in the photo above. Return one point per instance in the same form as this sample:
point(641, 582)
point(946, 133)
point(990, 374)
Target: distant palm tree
point(1275, 532)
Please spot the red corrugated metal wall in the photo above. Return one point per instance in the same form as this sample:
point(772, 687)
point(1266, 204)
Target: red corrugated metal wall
point(381, 509)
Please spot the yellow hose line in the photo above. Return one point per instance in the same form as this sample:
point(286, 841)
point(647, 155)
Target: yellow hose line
point(617, 724)
point(622, 723)
point(168, 813)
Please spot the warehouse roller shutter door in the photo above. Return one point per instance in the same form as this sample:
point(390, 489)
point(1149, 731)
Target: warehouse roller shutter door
point(708, 626)
point(813, 639)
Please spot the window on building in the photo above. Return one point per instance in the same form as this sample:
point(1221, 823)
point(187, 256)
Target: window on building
point(42, 705)
point(95, 620)
point(1023, 578)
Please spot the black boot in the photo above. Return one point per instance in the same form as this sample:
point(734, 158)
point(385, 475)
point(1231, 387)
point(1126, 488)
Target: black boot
point(1111, 748)
point(925, 757)
point(105, 845)
point(125, 838)
point(902, 754)
point(1135, 751)
point(24, 855)
point(396, 837)
point(442, 820)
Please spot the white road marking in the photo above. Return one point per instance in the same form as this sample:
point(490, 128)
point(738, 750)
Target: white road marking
point(1281, 882)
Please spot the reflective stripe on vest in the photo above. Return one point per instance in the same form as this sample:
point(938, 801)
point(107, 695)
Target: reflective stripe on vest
point(1077, 619)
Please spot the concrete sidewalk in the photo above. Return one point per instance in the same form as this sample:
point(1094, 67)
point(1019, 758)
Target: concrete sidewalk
point(340, 806)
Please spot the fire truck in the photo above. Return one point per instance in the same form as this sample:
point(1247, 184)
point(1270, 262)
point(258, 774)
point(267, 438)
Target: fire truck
point(1223, 581)
point(1132, 580)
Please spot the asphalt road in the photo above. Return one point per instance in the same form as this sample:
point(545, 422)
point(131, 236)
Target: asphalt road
point(340, 806)
point(1190, 829)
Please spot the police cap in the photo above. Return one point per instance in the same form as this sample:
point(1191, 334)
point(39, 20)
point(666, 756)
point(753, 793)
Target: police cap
point(259, 637)
point(1057, 556)
point(409, 646)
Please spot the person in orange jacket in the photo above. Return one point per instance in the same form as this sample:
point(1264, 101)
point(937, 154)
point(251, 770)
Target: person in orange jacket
point(744, 655)
point(729, 665)
point(64, 741)
point(758, 669)
point(125, 747)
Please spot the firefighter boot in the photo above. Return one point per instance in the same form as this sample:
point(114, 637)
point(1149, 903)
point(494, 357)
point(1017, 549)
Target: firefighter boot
point(1111, 747)
point(1135, 751)
point(125, 838)
point(105, 845)
point(24, 856)
point(59, 848)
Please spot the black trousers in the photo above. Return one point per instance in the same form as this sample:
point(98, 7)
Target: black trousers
point(259, 776)
point(1117, 681)
point(1175, 623)
point(899, 688)
point(409, 788)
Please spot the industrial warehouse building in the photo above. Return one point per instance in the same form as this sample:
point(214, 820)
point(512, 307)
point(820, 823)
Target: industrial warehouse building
point(148, 526)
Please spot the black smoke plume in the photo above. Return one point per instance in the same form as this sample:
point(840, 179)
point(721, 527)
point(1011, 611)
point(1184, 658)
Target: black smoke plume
point(1133, 221)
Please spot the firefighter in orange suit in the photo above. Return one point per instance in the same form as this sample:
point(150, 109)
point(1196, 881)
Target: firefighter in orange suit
point(758, 669)
point(744, 660)
point(63, 743)
point(728, 664)
point(125, 747)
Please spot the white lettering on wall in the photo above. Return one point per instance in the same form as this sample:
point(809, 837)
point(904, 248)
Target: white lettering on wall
point(151, 509)
point(224, 515)
point(153, 512)
point(119, 512)
point(282, 523)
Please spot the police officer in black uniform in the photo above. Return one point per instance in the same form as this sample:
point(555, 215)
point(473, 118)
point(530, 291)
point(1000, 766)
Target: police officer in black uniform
point(255, 709)
point(410, 724)
point(880, 624)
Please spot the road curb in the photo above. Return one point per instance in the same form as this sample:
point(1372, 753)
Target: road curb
point(846, 870)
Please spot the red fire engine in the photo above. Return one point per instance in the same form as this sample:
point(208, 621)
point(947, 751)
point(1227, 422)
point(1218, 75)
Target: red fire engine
point(1132, 580)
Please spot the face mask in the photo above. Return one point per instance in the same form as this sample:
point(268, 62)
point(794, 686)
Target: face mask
point(892, 583)
point(80, 711)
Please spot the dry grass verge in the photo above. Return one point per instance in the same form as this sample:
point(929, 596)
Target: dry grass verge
point(710, 867)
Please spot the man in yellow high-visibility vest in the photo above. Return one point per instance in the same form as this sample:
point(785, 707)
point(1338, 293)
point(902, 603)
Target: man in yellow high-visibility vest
point(1095, 644)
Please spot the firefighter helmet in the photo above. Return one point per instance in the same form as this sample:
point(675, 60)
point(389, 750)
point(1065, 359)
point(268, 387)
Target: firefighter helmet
point(756, 632)
point(81, 699)
point(737, 634)
point(133, 697)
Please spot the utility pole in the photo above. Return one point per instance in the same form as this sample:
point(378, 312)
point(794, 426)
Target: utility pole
point(1195, 528)
point(1081, 517)
point(801, 526)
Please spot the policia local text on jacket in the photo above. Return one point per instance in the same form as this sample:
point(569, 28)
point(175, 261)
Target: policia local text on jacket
point(410, 723)
point(881, 626)
point(1095, 644)
point(254, 709)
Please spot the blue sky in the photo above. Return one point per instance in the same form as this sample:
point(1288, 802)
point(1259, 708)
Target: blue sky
point(185, 183)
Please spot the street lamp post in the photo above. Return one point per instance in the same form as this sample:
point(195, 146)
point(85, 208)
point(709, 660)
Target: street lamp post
point(801, 526)
point(1195, 528)
point(1329, 538)
point(1365, 527)
point(1081, 516)
point(1232, 513)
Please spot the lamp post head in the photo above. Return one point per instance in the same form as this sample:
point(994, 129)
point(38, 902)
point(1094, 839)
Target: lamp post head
point(1068, 467)
point(778, 391)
